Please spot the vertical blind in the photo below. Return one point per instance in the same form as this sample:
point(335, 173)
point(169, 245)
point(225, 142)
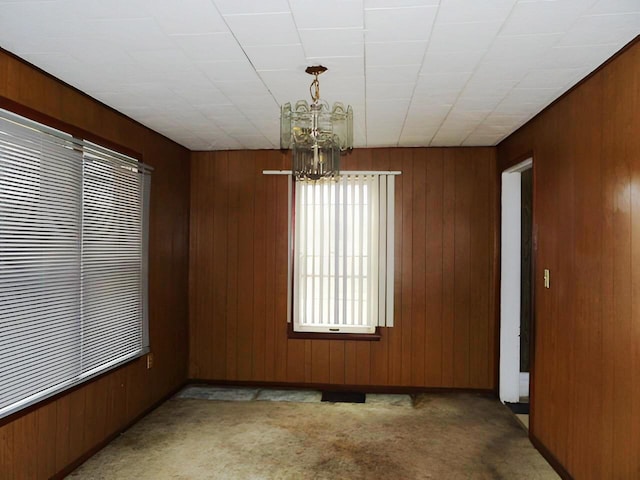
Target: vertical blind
point(342, 272)
point(73, 268)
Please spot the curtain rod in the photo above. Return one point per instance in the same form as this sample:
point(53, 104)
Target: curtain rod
point(346, 172)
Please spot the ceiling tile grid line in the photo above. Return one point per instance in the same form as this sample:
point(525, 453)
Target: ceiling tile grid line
point(213, 73)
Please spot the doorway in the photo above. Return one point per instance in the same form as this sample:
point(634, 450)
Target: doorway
point(516, 285)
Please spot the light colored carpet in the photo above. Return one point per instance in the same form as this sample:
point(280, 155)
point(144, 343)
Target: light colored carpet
point(437, 436)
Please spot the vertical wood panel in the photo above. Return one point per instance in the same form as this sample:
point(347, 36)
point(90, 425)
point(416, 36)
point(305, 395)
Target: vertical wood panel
point(259, 269)
point(320, 371)
point(77, 422)
point(586, 176)
point(270, 265)
point(434, 267)
point(281, 279)
point(61, 440)
point(448, 267)
point(480, 259)
point(233, 288)
point(462, 260)
point(7, 456)
point(216, 354)
point(620, 115)
point(95, 425)
point(246, 231)
point(395, 334)
point(405, 324)
point(45, 440)
point(25, 458)
point(418, 267)
point(336, 362)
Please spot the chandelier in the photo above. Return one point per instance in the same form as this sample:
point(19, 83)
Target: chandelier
point(316, 134)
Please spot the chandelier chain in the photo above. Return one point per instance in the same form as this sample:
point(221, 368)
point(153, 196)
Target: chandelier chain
point(314, 89)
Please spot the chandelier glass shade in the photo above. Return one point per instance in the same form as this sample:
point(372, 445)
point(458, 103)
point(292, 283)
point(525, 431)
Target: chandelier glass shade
point(316, 133)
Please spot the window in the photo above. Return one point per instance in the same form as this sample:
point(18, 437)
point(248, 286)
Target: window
point(343, 254)
point(73, 268)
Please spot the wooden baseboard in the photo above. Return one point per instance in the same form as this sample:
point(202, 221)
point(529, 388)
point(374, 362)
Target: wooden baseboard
point(340, 387)
point(549, 457)
point(95, 449)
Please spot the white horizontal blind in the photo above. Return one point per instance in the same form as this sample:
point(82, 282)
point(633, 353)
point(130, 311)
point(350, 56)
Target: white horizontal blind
point(112, 252)
point(40, 230)
point(72, 261)
point(340, 254)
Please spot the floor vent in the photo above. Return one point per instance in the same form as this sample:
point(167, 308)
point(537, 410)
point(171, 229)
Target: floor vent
point(344, 397)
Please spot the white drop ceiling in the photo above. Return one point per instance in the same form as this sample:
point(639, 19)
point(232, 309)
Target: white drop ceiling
point(211, 74)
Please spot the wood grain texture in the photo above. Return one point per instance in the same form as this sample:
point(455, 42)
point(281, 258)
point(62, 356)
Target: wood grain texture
point(444, 318)
point(48, 438)
point(586, 151)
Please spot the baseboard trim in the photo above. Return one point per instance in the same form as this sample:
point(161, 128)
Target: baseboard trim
point(95, 449)
point(549, 457)
point(342, 387)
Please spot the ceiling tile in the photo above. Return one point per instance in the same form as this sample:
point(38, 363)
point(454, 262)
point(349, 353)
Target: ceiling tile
point(462, 37)
point(393, 74)
point(390, 90)
point(334, 42)
point(241, 87)
point(506, 119)
point(129, 34)
point(201, 94)
point(429, 96)
point(468, 11)
point(478, 140)
point(395, 53)
point(449, 62)
point(264, 29)
point(509, 48)
point(602, 29)
point(212, 47)
point(544, 16)
point(384, 4)
point(327, 13)
point(442, 81)
point(603, 7)
point(586, 56)
point(229, 71)
point(469, 102)
point(263, 102)
point(551, 78)
point(276, 57)
point(236, 7)
point(188, 16)
point(113, 8)
point(399, 24)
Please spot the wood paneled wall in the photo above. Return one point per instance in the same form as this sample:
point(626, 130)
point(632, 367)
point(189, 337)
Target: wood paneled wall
point(586, 150)
point(46, 440)
point(445, 330)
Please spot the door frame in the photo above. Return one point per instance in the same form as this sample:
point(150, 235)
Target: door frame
point(510, 282)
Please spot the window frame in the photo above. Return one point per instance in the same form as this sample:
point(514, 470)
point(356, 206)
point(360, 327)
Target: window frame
point(344, 332)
